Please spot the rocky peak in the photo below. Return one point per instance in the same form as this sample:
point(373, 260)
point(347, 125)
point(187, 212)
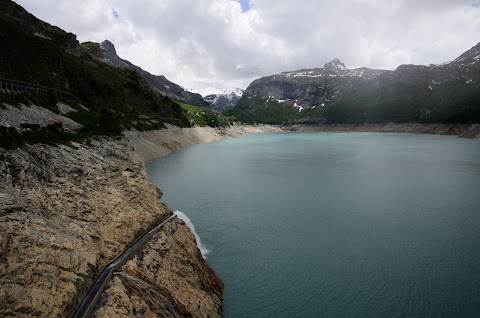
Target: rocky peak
point(335, 64)
point(110, 54)
point(108, 46)
point(470, 56)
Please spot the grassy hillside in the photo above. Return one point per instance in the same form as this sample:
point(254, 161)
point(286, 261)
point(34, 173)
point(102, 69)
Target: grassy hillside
point(203, 117)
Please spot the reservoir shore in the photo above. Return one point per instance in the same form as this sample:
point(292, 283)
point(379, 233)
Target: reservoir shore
point(67, 211)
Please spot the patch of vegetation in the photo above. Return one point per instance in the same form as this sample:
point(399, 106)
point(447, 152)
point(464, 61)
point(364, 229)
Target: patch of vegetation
point(93, 48)
point(201, 116)
point(53, 134)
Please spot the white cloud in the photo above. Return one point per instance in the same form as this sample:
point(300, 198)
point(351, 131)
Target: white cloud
point(201, 43)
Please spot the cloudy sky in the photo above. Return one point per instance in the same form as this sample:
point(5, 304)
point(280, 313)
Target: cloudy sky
point(228, 43)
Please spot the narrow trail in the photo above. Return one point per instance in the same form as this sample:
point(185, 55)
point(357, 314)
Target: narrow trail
point(88, 303)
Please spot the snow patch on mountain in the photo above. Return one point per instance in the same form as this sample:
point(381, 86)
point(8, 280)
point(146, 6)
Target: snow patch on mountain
point(220, 99)
point(216, 91)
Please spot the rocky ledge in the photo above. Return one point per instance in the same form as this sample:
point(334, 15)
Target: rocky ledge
point(66, 211)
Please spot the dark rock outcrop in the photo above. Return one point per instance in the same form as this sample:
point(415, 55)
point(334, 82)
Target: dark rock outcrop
point(335, 64)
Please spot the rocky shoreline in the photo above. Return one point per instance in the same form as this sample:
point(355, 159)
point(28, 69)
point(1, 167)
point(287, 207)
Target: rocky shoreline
point(158, 143)
point(66, 211)
point(461, 130)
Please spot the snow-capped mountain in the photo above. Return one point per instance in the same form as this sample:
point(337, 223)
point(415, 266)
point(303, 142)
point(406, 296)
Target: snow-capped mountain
point(220, 99)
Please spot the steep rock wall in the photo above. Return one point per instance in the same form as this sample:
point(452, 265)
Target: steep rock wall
point(168, 275)
point(65, 212)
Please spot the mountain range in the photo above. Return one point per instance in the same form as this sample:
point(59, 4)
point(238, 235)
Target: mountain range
point(447, 92)
point(121, 94)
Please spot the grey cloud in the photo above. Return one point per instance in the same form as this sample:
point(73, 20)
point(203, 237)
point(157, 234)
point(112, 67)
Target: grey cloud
point(211, 42)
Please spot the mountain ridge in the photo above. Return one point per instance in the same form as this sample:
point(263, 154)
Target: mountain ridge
point(106, 51)
point(438, 93)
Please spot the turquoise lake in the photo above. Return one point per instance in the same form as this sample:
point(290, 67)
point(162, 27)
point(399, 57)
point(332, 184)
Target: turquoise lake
point(335, 224)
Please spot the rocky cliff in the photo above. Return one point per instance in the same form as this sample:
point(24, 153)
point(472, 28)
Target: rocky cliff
point(66, 211)
point(168, 278)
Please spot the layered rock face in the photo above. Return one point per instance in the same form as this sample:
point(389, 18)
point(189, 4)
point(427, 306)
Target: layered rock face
point(309, 88)
point(65, 212)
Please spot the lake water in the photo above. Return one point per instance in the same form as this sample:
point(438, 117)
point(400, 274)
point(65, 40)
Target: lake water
point(335, 224)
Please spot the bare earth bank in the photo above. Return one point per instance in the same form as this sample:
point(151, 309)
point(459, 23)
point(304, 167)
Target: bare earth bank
point(158, 143)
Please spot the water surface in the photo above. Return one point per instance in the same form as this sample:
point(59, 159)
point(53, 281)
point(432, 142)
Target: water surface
point(335, 224)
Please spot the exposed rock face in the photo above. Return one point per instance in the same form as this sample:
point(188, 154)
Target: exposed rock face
point(335, 64)
point(160, 82)
point(65, 213)
point(15, 116)
point(168, 275)
point(308, 88)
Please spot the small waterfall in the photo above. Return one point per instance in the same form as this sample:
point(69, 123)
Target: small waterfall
point(189, 223)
